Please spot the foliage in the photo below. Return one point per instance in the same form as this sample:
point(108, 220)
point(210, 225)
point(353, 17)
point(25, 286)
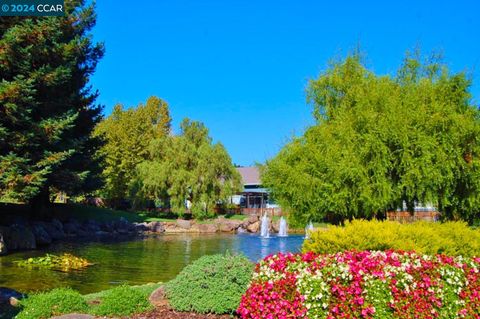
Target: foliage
point(128, 133)
point(451, 238)
point(47, 110)
point(363, 285)
point(188, 168)
point(122, 301)
point(211, 284)
point(65, 262)
point(53, 303)
point(382, 140)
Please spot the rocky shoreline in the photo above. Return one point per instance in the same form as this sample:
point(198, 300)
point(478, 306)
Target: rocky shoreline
point(31, 235)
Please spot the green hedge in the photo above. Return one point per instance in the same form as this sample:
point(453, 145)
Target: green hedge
point(211, 284)
point(451, 238)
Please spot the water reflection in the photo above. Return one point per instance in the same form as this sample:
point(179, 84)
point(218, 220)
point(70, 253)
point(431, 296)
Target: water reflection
point(139, 261)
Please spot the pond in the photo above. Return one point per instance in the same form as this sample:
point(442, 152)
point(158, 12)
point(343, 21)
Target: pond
point(135, 262)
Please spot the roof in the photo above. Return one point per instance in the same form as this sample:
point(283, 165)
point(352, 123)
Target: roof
point(250, 175)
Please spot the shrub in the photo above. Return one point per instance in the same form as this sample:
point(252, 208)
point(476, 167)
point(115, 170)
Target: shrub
point(55, 302)
point(212, 284)
point(368, 284)
point(450, 238)
point(122, 301)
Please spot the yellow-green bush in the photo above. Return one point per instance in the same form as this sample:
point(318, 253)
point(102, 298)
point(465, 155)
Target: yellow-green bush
point(450, 238)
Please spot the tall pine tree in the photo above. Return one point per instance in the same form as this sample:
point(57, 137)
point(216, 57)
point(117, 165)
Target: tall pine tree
point(47, 108)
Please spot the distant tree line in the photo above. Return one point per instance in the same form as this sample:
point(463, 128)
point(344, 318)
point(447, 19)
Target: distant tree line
point(379, 141)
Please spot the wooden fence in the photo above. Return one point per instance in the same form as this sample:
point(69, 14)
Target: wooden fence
point(262, 211)
point(407, 217)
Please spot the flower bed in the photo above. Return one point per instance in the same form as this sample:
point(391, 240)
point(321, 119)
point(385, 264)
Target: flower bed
point(391, 284)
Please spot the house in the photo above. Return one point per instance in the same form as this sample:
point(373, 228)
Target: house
point(254, 198)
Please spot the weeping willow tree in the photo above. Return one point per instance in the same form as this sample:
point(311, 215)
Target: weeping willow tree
point(187, 168)
point(381, 140)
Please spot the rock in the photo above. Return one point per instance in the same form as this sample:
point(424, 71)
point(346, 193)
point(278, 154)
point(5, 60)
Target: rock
point(275, 226)
point(41, 235)
point(102, 233)
point(195, 228)
point(171, 227)
point(207, 228)
point(53, 231)
point(58, 224)
point(3, 246)
point(253, 228)
point(228, 225)
point(71, 227)
point(185, 224)
point(158, 298)
point(7, 296)
point(18, 237)
point(92, 226)
point(156, 227)
point(241, 230)
point(252, 219)
point(74, 316)
point(141, 227)
point(14, 302)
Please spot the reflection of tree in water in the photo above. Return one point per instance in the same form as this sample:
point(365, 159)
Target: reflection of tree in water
point(152, 259)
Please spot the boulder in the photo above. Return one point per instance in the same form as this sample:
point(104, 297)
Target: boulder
point(253, 228)
point(225, 225)
point(41, 235)
point(156, 227)
point(207, 228)
point(158, 298)
point(92, 226)
point(53, 230)
point(71, 227)
point(184, 224)
point(58, 224)
point(275, 226)
point(141, 227)
point(252, 219)
point(172, 227)
point(3, 246)
point(18, 237)
point(241, 230)
point(9, 297)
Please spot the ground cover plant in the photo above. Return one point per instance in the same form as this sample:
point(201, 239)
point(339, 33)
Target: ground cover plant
point(367, 284)
point(450, 238)
point(122, 301)
point(118, 301)
point(52, 303)
point(211, 284)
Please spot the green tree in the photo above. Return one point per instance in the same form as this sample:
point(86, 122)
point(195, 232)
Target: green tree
point(128, 133)
point(47, 110)
point(188, 167)
point(382, 140)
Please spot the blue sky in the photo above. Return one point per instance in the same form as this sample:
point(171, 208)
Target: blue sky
point(242, 67)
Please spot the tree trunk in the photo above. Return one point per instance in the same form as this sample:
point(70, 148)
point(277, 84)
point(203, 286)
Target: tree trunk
point(40, 205)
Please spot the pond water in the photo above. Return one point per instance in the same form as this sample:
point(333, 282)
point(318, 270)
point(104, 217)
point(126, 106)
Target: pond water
point(135, 262)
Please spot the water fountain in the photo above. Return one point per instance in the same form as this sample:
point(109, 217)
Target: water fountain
point(264, 227)
point(282, 230)
point(308, 229)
